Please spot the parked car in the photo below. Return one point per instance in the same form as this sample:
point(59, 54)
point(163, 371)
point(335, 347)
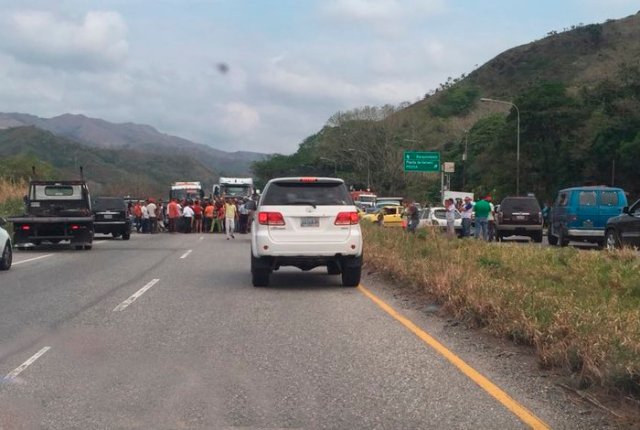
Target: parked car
point(581, 214)
point(6, 257)
point(306, 223)
point(437, 217)
point(392, 215)
point(111, 217)
point(519, 216)
point(624, 229)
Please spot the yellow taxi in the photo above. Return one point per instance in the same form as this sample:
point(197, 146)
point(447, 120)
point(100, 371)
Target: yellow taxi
point(392, 215)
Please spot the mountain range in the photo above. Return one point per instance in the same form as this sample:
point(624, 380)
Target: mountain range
point(118, 159)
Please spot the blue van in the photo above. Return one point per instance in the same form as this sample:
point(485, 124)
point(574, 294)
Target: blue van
point(581, 214)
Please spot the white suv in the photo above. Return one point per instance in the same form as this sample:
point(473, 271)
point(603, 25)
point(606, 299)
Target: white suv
point(5, 247)
point(306, 223)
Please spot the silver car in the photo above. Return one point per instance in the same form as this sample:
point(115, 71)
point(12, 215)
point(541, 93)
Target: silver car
point(436, 217)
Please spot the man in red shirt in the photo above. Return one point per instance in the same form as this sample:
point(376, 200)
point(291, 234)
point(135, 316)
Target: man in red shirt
point(173, 212)
point(197, 216)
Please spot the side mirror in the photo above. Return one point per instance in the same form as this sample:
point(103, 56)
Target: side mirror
point(625, 210)
point(2, 221)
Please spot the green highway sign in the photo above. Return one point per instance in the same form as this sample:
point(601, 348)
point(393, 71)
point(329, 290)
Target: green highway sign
point(417, 161)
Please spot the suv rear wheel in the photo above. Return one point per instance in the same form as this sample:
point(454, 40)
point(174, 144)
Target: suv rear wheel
point(259, 273)
point(537, 237)
point(351, 276)
point(553, 240)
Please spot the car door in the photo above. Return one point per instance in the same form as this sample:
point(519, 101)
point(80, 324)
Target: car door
point(629, 226)
point(393, 216)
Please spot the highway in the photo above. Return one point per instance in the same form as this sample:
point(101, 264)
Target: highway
point(166, 332)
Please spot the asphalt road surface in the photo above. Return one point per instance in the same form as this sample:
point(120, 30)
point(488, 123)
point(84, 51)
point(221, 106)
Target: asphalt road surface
point(166, 332)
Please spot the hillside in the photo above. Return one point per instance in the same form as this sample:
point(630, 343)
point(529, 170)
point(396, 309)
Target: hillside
point(103, 134)
point(108, 171)
point(578, 95)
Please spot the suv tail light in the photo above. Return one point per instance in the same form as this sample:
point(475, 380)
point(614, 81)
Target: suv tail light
point(309, 179)
point(270, 218)
point(75, 227)
point(347, 218)
point(25, 227)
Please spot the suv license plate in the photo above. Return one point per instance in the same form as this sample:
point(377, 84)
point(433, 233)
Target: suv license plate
point(519, 217)
point(310, 222)
point(108, 216)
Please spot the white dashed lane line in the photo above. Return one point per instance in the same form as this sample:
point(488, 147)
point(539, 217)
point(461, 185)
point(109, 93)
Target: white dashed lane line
point(122, 306)
point(186, 254)
point(18, 370)
point(15, 263)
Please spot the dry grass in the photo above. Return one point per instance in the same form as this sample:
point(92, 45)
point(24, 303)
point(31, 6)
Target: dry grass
point(579, 310)
point(10, 189)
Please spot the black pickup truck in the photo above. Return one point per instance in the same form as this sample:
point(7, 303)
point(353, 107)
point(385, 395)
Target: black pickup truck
point(55, 211)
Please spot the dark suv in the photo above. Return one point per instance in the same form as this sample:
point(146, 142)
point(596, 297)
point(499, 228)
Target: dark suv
point(624, 229)
point(111, 217)
point(520, 216)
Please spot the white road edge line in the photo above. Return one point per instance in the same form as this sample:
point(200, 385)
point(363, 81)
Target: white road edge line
point(96, 242)
point(15, 263)
point(122, 306)
point(186, 254)
point(18, 370)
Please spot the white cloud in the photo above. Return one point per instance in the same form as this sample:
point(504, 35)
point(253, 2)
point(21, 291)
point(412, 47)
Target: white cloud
point(239, 118)
point(96, 42)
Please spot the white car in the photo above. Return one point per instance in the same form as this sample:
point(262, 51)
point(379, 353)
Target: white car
point(306, 223)
point(6, 251)
point(437, 217)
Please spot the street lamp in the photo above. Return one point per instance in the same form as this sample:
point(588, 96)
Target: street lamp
point(518, 138)
point(335, 164)
point(464, 156)
point(368, 165)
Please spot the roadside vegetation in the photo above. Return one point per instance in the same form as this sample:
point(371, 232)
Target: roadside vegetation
point(11, 192)
point(579, 310)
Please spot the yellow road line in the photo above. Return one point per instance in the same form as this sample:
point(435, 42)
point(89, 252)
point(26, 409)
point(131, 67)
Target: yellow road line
point(520, 411)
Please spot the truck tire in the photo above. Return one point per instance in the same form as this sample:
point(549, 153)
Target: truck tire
point(553, 240)
point(6, 257)
point(537, 237)
point(87, 247)
point(562, 239)
point(351, 276)
point(126, 236)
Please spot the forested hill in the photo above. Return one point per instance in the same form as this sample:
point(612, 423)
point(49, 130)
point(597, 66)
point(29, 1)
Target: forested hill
point(108, 171)
point(578, 95)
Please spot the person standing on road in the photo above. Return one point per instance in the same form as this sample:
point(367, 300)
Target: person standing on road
point(187, 216)
point(153, 216)
point(209, 210)
point(174, 214)
point(244, 216)
point(137, 213)
point(491, 219)
point(413, 218)
point(450, 215)
point(145, 218)
point(197, 217)
point(230, 216)
point(466, 212)
point(481, 209)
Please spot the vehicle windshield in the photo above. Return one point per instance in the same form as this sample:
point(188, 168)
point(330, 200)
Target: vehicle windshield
point(235, 190)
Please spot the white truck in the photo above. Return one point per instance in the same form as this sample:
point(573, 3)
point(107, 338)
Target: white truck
point(191, 190)
point(456, 195)
point(234, 187)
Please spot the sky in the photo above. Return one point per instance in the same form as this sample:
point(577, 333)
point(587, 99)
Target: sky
point(255, 75)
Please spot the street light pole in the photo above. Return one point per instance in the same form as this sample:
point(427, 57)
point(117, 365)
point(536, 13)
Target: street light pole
point(517, 138)
point(464, 156)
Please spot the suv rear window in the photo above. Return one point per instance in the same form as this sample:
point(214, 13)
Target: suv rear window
point(519, 205)
point(109, 204)
point(307, 193)
point(587, 198)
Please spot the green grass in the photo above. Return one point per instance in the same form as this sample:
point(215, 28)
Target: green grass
point(580, 310)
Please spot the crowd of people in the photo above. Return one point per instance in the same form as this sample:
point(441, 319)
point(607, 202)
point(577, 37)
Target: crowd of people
point(220, 215)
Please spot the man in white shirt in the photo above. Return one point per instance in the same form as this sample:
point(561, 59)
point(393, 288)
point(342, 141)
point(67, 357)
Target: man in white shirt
point(145, 218)
point(466, 212)
point(153, 220)
point(187, 215)
point(450, 215)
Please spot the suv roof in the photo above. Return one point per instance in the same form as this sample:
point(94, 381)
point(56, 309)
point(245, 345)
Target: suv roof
point(591, 188)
